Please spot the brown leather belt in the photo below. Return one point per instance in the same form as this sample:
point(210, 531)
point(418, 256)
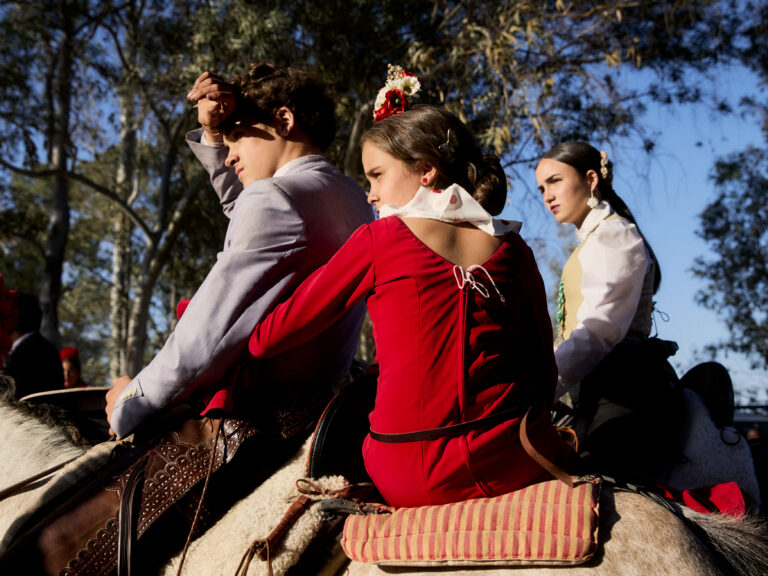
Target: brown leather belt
point(453, 429)
point(458, 429)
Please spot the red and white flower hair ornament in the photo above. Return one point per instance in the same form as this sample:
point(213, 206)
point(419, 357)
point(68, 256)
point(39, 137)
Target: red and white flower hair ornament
point(401, 89)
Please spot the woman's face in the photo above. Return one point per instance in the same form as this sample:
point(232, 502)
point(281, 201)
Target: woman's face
point(391, 181)
point(71, 375)
point(564, 190)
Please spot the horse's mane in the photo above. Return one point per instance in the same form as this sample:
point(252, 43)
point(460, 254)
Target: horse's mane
point(743, 543)
point(46, 414)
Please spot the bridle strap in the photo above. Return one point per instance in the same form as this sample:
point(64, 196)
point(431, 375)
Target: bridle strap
point(16, 488)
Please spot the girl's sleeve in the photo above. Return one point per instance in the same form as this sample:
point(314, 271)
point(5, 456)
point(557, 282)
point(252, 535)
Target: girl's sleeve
point(320, 300)
point(614, 261)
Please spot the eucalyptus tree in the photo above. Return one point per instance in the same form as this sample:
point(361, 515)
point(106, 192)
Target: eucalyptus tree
point(45, 53)
point(523, 73)
point(530, 73)
point(735, 223)
point(159, 49)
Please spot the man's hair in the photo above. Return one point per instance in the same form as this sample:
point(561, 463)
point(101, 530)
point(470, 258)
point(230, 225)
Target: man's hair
point(267, 87)
point(30, 314)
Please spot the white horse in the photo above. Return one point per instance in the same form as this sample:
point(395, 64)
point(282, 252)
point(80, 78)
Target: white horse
point(29, 446)
point(638, 536)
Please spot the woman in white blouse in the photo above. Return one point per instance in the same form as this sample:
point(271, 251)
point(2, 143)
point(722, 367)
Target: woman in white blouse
point(615, 377)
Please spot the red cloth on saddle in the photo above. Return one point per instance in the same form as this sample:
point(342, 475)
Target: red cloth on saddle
point(447, 354)
point(725, 498)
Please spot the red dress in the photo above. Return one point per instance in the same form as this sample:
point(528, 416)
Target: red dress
point(446, 355)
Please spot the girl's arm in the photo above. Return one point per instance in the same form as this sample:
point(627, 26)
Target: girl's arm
point(320, 300)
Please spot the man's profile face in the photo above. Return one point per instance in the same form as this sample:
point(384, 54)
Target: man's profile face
point(255, 150)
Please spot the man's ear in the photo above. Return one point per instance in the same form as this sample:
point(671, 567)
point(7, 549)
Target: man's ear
point(285, 121)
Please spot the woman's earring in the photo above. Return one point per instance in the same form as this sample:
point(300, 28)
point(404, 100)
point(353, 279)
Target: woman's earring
point(593, 201)
point(424, 180)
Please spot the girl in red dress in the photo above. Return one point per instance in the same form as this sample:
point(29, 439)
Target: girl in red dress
point(463, 336)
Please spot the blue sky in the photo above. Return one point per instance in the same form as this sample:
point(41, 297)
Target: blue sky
point(666, 191)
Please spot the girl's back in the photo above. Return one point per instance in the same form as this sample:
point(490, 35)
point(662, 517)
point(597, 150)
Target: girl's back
point(461, 243)
point(462, 333)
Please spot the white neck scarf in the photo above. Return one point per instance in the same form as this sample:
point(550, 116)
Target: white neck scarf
point(454, 204)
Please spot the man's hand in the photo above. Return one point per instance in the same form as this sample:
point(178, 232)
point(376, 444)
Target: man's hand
point(215, 102)
point(118, 385)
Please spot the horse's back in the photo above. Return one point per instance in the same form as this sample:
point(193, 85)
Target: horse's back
point(638, 536)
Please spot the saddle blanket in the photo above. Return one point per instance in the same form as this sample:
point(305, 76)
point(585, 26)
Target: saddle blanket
point(543, 524)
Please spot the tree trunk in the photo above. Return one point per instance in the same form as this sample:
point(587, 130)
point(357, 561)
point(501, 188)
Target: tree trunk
point(126, 183)
point(137, 324)
point(352, 154)
point(118, 296)
point(156, 255)
point(58, 222)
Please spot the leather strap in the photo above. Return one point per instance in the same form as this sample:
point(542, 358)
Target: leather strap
point(129, 512)
point(16, 488)
point(174, 463)
point(452, 430)
point(263, 547)
point(539, 458)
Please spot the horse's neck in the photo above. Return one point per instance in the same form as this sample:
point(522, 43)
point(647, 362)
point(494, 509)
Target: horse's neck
point(29, 446)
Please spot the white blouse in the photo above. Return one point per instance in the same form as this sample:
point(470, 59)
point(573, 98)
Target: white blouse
point(616, 270)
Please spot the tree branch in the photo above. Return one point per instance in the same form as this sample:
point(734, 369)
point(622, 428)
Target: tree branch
point(174, 225)
point(96, 187)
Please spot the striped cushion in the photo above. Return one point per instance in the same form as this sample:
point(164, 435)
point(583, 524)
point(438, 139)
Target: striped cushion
point(547, 523)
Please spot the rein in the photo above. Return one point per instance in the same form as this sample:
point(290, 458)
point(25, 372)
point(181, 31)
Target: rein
point(217, 434)
point(16, 488)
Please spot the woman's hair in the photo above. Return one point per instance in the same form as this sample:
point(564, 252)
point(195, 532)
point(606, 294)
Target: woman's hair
point(583, 157)
point(266, 88)
point(433, 136)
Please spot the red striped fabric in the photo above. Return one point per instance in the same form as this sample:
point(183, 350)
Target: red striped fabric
point(547, 523)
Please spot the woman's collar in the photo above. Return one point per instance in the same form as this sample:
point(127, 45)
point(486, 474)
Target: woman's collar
point(593, 218)
point(453, 204)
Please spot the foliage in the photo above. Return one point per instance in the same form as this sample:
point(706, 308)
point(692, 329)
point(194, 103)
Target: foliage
point(528, 74)
point(735, 224)
point(523, 73)
point(22, 233)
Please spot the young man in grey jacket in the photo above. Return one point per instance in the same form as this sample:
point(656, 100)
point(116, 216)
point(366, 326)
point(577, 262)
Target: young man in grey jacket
point(290, 209)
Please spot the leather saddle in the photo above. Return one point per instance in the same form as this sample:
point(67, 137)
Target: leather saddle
point(337, 443)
